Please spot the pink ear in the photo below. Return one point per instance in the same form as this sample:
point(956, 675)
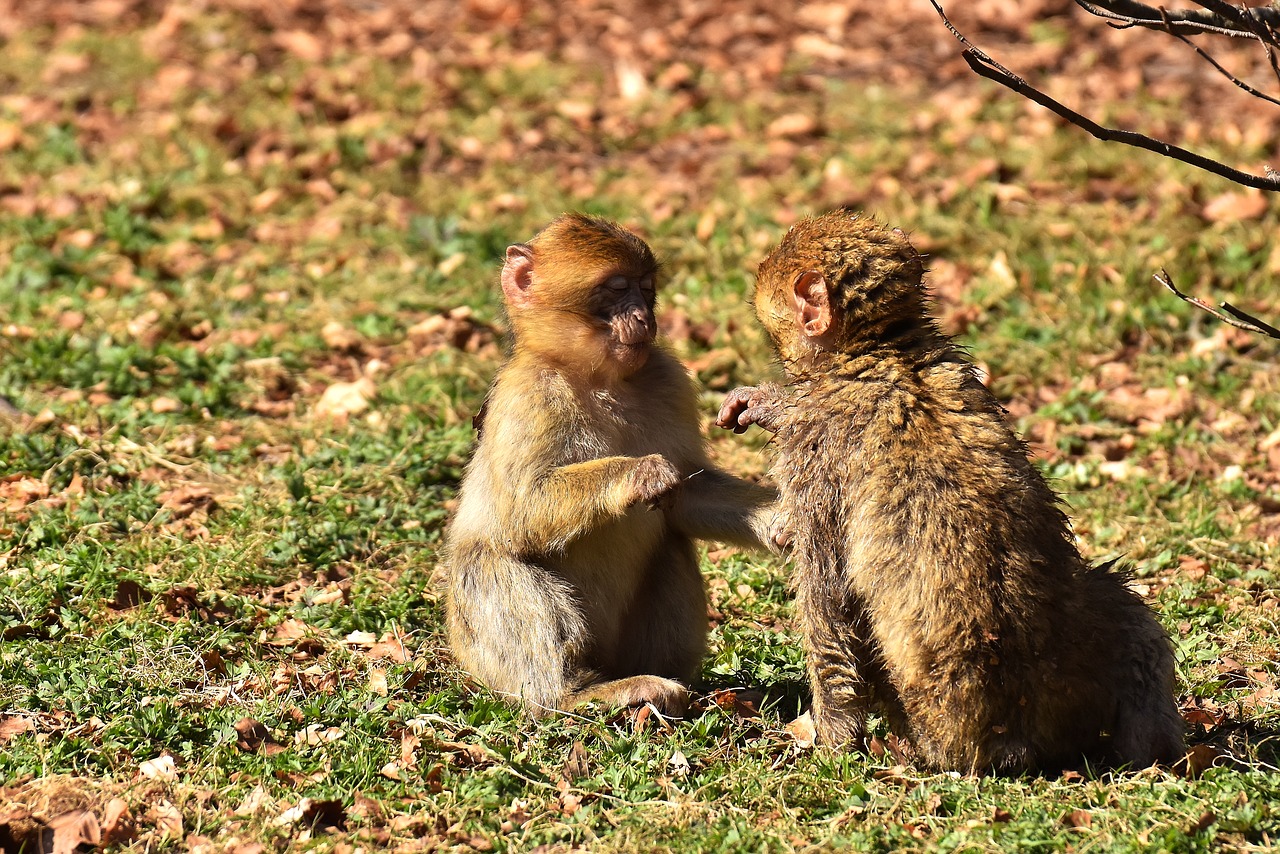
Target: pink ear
point(812, 304)
point(517, 275)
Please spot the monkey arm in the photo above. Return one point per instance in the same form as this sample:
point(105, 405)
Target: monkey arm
point(713, 505)
point(572, 499)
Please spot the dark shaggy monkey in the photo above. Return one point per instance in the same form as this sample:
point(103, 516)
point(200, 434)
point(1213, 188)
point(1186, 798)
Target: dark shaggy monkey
point(937, 579)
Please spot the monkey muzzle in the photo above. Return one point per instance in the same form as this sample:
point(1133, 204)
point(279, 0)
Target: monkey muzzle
point(633, 327)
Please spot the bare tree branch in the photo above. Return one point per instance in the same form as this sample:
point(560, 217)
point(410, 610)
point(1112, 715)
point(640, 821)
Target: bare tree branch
point(1225, 311)
point(985, 66)
point(1225, 73)
point(1216, 16)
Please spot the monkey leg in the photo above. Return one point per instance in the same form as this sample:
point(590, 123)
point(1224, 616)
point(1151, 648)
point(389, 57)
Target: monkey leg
point(515, 626)
point(839, 705)
point(840, 660)
point(664, 631)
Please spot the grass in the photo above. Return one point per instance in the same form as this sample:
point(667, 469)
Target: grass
point(197, 246)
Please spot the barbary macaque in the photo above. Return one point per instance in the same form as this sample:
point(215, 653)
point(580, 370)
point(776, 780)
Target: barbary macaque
point(572, 575)
point(937, 580)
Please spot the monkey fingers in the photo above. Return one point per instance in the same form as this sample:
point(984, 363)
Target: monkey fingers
point(653, 479)
point(765, 416)
point(735, 403)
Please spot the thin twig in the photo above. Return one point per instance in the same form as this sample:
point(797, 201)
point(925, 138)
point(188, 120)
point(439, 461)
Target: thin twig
point(984, 66)
point(1225, 311)
point(1270, 37)
point(1225, 73)
point(1217, 17)
point(1263, 29)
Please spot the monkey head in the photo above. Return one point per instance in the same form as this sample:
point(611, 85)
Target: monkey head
point(838, 282)
point(581, 293)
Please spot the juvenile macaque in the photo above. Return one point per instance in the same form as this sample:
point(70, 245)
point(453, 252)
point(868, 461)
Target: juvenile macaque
point(572, 573)
point(937, 580)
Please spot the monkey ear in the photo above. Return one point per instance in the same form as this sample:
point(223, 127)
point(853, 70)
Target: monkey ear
point(812, 303)
point(517, 274)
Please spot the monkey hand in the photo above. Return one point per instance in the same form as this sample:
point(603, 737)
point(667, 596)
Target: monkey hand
point(652, 479)
point(747, 405)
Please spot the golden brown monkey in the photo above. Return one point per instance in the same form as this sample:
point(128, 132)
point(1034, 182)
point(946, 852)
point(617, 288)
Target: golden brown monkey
point(936, 577)
point(572, 572)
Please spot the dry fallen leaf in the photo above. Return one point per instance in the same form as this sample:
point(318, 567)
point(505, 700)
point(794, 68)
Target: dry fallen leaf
point(185, 500)
point(803, 731)
point(744, 703)
point(321, 814)
point(1193, 568)
point(360, 638)
point(341, 400)
point(1233, 207)
point(449, 265)
point(73, 829)
point(898, 775)
point(390, 646)
point(251, 734)
point(338, 337)
point(160, 768)
point(253, 803)
point(168, 819)
point(117, 823)
point(162, 405)
point(317, 734)
point(576, 764)
point(1081, 819)
point(568, 801)
point(17, 491)
point(409, 746)
point(129, 594)
point(1200, 758)
point(11, 725)
point(289, 631)
point(517, 816)
point(792, 125)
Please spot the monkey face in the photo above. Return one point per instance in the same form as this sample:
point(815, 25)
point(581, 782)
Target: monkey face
point(581, 294)
point(777, 315)
point(624, 313)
